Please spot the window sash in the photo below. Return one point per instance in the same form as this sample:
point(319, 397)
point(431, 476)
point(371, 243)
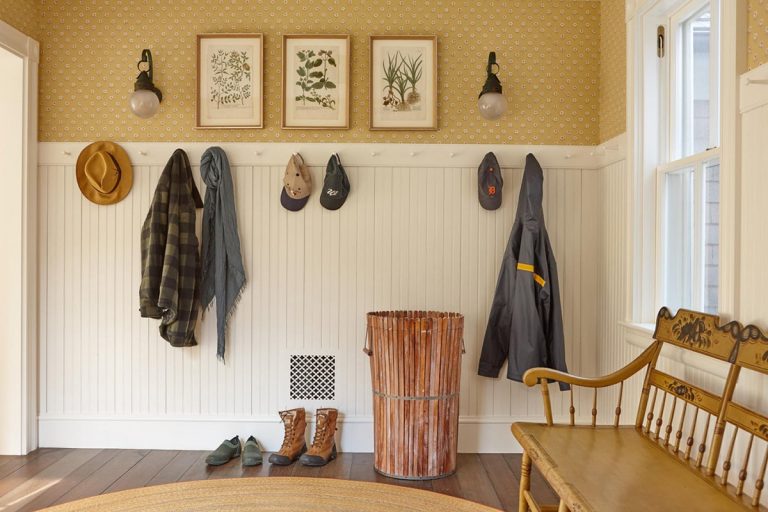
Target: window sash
point(679, 67)
point(695, 275)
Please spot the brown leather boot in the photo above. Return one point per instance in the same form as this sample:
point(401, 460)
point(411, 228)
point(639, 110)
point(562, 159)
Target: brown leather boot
point(294, 442)
point(323, 449)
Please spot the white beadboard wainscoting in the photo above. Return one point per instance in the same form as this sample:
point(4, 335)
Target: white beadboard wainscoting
point(411, 235)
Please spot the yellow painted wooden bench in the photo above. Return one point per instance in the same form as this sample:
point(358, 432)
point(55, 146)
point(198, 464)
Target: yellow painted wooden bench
point(688, 450)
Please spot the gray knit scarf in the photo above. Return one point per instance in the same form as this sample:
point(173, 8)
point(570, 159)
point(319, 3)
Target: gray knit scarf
point(223, 276)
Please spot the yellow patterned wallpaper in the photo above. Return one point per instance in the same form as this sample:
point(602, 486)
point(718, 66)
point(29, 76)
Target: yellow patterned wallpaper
point(613, 69)
point(757, 33)
point(548, 51)
point(20, 14)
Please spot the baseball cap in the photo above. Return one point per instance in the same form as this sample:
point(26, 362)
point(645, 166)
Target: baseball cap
point(489, 182)
point(335, 185)
point(297, 184)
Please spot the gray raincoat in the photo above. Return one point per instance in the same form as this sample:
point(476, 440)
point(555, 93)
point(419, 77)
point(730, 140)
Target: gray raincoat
point(525, 326)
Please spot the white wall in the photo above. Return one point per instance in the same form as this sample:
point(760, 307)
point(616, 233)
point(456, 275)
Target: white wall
point(411, 235)
point(11, 258)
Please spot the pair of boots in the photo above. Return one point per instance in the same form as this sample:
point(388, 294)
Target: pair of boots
point(323, 448)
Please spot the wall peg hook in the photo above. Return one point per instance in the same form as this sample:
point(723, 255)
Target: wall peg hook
point(67, 153)
point(143, 153)
point(451, 155)
point(374, 153)
point(413, 153)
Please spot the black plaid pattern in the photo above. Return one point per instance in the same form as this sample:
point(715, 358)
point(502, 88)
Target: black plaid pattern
point(170, 271)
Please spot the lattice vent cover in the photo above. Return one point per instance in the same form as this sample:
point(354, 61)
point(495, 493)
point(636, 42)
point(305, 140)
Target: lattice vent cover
point(313, 377)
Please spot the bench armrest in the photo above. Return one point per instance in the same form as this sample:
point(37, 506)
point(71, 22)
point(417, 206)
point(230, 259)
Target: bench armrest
point(534, 375)
point(544, 375)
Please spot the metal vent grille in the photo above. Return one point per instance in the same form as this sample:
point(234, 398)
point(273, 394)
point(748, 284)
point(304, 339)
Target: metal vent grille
point(313, 377)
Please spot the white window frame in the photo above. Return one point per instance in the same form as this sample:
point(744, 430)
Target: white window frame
point(648, 150)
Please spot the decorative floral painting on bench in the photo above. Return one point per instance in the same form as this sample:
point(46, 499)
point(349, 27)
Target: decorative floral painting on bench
point(229, 81)
point(316, 81)
point(403, 83)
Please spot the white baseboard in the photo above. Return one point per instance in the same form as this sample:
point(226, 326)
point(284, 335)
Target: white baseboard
point(476, 435)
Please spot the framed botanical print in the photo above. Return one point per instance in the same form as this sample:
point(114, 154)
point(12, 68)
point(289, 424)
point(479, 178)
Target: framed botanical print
point(403, 86)
point(230, 89)
point(316, 81)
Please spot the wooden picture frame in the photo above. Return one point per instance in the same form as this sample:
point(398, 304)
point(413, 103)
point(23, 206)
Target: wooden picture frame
point(403, 83)
point(316, 93)
point(233, 99)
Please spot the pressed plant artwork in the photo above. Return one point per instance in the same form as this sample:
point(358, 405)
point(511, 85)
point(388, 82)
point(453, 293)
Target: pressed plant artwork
point(315, 81)
point(402, 75)
point(230, 78)
point(229, 83)
point(316, 87)
point(403, 82)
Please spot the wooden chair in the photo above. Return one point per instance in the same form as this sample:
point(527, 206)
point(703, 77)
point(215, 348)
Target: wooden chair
point(667, 460)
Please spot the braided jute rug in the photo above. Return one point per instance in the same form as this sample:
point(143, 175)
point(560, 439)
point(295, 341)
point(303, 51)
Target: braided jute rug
point(273, 494)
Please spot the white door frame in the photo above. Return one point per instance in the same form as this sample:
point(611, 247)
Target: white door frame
point(25, 436)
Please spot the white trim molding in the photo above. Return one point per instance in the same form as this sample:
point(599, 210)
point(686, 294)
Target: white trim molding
point(25, 374)
point(360, 155)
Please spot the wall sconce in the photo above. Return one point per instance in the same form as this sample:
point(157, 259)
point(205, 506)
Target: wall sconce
point(146, 98)
point(492, 103)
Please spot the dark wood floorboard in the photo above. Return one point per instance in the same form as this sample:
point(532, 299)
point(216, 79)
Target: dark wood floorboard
point(55, 492)
point(340, 468)
point(198, 470)
point(53, 476)
point(176, 468)
point(143, 471)
point(503, 480)
point(29, 470)
point(100, 480)
point(474, 481)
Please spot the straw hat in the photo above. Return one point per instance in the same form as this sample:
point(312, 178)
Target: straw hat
point(104, 173)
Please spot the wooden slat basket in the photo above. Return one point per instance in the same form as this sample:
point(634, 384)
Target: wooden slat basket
point(416, 374)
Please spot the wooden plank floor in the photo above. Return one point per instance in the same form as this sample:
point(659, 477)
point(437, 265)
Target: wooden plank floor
point(50, 476)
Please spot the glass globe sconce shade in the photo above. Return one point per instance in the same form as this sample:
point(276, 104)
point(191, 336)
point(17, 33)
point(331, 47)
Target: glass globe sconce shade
point(146, 98)
point(492, 104)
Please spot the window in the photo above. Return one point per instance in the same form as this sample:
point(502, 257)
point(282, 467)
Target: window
point(688, 177)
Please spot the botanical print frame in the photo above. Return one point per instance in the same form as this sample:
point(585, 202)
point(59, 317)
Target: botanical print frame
point(230, 81)
point(403, 84)
point(315, 79)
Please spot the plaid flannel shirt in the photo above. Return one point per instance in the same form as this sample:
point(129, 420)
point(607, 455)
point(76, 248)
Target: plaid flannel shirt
point(170, 272)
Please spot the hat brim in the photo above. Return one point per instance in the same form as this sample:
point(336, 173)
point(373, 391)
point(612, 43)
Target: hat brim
point(126, 173)
point(490, 203)
point(292, 204)
point(330, 203)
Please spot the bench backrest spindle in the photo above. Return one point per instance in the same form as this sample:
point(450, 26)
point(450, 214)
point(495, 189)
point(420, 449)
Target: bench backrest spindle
point(701, 333)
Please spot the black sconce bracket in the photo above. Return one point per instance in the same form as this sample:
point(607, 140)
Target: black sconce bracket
point(492, 83)
point(144, 80)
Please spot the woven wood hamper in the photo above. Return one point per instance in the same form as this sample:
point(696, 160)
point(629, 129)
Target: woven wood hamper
point(416, 373)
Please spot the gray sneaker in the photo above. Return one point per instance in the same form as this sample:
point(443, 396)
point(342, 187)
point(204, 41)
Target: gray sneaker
point(226, 451)
point(252, 453)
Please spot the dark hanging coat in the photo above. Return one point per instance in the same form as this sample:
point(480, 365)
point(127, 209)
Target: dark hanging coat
point(170, 271)
point(525, 326)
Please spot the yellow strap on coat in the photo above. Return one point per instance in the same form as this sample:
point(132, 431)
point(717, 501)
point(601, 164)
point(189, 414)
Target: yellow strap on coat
point(529, 268)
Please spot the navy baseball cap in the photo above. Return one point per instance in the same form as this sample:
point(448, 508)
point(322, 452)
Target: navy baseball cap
point(489, 182)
